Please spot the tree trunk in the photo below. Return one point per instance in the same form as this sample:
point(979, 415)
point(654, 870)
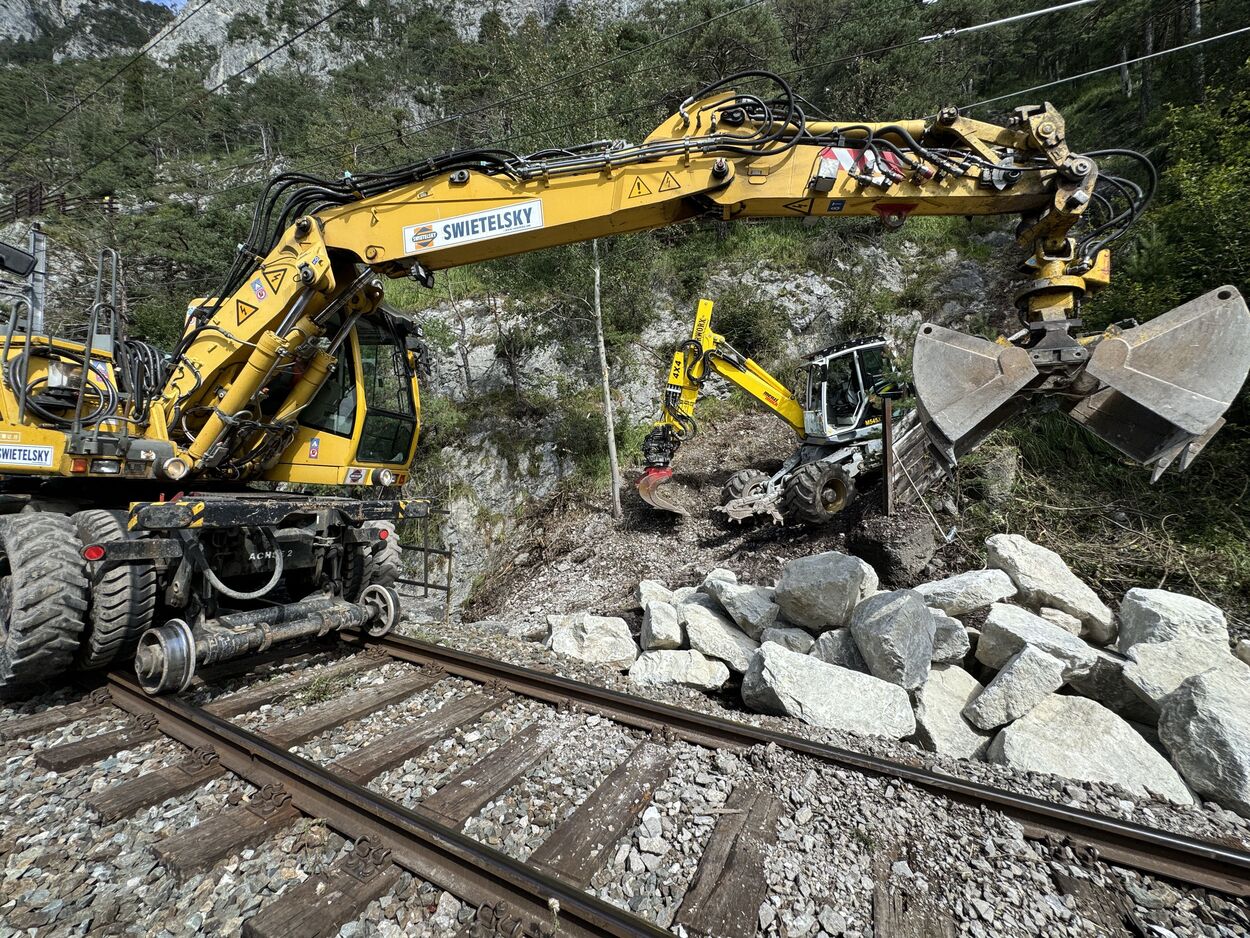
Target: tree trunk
point(609, 418)
point(1126, 77)
point(1149, 43)
point(1196, 32)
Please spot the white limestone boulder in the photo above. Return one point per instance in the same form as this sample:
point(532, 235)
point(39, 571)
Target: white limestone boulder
point(819, 592)
point(1080, 739)
point(1025, 681)
point(716, 636)
point(718, 574)
point(653, 591)
point(594, 639)
point(751, 607)
point(1043, 579)
point(1155, 669)
point(1007, 630)
point(968, 592)
point(838, 647)
point(783, 682)
point(1242, 651)
point(1205, 725)
point(1149, 615)
point(894, 633)
point(1107, 684)
point(950, 638)
point(798, 640)
point(1065, 621)
point(689, 668)
point(661, 627)
point(941, 726)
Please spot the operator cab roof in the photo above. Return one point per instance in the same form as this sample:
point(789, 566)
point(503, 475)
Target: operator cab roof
point(830, 350)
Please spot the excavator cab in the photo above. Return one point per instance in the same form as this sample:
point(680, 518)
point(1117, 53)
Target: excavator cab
point(843, 392)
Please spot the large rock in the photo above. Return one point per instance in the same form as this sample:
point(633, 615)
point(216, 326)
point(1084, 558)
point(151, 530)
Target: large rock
point(678, 667)
point(786, 683)
point(1080, 739)
point(950, 638)
point(968, 592)
point(751, 607)
point(894, 633)
point(838, 647)
point(718, 574)
point(941, 726)
point(1156, 669)
point(1242, 650)
point(1043, 579)
point(716, 636)
point(596, 639)
point(1205, 725)
point(1148, 615)
point(653, 591)
point(799, 640)
point(661, 627)
point(1065, 621)
point(1107, 684)
point(1007, 630)
point(819, 592)
point(1024, 682)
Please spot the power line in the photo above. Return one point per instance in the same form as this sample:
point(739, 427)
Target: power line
point(142, 53)
point(1107, 68)
point(211, 91)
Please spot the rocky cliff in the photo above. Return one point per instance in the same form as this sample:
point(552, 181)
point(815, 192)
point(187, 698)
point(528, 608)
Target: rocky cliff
point(62, 29)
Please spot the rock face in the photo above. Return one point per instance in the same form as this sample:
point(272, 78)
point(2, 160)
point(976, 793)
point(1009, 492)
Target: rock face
point(596, 639)
point(1148, 615)
point(950, 639)
point(1008, 629)
point(717, 637)
point(1024, 682)
point(751, 607)
point(819, 592)
point(1079, 739)
point(838, 647)
point(1205, 725)
point(941, 726)
point(794, 639)
point(894, 633)
point(660, 626)
point(1043, 579)
point(782, 682)
point(1155, 669)
point(678, 667)
point(968, 592)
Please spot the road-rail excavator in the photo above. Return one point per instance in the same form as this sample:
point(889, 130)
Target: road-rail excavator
point(131, 527)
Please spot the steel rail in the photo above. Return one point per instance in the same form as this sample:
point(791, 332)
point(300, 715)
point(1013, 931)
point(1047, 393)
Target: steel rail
point(1176, 856)
point(436, 853)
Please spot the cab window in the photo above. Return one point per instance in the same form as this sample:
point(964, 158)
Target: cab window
point(333, 407)
point(390, 413)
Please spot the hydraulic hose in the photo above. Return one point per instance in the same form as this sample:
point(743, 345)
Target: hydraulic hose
point(278, 565)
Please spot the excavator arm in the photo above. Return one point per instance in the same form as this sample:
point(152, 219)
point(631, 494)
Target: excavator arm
point(314, 264)
point(704, 354)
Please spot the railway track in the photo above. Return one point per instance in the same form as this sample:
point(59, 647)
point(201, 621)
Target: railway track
point(230, 736)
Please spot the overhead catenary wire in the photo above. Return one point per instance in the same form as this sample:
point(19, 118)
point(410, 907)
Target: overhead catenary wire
point(130, 63)
point(1107, 68)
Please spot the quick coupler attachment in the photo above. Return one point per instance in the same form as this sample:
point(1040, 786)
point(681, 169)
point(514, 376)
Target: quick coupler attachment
point(168, 656)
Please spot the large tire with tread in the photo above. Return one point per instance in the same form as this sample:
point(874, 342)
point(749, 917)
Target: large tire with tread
point(814, 493)
point(743, 482)
point(123, 598)
point(43, 597)
point(376, 561)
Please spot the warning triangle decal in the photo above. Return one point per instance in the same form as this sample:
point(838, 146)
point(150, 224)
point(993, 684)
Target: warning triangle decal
point(669, 183)
point(275, 277)
point(244, 310)
point(802, 206)
point(638, 188)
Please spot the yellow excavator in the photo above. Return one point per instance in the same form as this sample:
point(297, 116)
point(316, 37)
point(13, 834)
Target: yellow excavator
point(131, 526)
point(836, 416)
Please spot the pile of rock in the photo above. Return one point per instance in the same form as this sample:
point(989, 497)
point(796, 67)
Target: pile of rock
point(1020, 664)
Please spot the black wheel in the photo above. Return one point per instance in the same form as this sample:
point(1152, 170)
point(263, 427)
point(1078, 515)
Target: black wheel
point(814, 493)
point(375, 561)
point(743, 482)
point(43, 597)
point(123, 598)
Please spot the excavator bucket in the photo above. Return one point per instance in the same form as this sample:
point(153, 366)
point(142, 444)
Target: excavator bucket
point(1156, 392)
point(651, 486)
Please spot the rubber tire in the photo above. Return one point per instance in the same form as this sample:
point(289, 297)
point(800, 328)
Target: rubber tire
point(740, 483)
point(805, 497)
point(45, 604)
point(123, 598)
point(377, 560)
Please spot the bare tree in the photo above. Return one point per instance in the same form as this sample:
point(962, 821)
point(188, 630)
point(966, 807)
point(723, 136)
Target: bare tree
point(609, 418)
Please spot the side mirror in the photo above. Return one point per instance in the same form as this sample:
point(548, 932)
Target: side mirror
point(15, 260)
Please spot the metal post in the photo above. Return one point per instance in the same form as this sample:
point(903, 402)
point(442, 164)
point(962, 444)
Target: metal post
point(887, 456)
point(38, 278)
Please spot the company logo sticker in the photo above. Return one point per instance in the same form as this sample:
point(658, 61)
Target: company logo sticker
point(476, 226)
point(11, 455)
point(355, 476)
point(258, 287)
point(314, 447)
